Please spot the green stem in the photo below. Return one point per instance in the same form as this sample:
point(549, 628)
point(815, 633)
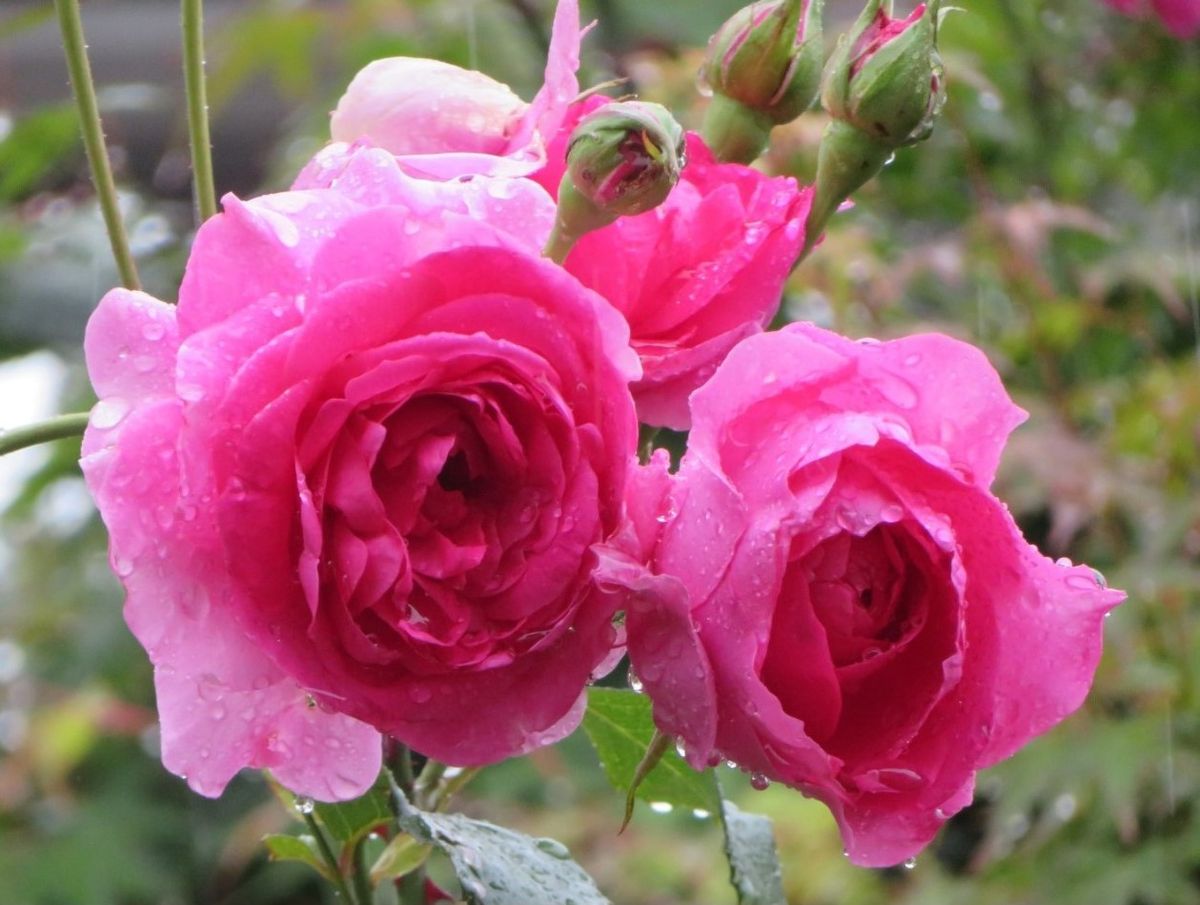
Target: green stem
point(57, 428)
point(362, 881)
point(331, 861)
point(425, 788)
point(71, 25)
point(401, 766)
point(452, 787)
point(197, 107)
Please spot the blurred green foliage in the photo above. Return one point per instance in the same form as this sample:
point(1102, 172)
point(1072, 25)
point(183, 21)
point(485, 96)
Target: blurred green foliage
point(1054, 219)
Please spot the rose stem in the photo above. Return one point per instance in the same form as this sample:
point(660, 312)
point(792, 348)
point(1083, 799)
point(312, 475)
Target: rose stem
point(57, 428)
point(71, 26)
point(197, 107)
point(339, 880)
point(362, 883)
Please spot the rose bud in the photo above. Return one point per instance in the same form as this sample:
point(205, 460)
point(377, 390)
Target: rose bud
point(443, 122)
point(623, 159)
point(883, 87)
point(885, 77)
point(764, 68)
point(411, 106)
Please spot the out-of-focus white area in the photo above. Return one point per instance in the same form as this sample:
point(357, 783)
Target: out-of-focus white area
point(29, 391)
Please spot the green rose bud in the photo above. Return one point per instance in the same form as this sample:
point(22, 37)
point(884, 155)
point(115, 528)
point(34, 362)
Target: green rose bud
point(885, 77)
point(884, 88)
point(622, 159)
point(764, 68)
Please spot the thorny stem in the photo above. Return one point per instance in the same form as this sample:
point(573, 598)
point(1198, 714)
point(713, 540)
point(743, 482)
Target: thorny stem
point(197, 107)
point(75, 46)
point(58, 428)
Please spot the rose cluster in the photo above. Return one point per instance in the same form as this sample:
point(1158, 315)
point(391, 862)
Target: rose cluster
point(376, 474)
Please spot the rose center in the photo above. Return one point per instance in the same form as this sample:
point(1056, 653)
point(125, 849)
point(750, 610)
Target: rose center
point(864, 592)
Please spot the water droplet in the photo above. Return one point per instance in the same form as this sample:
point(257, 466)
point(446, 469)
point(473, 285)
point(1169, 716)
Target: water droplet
point(123, 567)
point(701, 814)
point(553, 848)
point(661, 807)
point(910, 863)
point(304, 804)
point(634, 682)
point(759, 781)
point(421, 694)
point(1098, 577)
point(154, 331)
point(681, 748)
point(109, 412)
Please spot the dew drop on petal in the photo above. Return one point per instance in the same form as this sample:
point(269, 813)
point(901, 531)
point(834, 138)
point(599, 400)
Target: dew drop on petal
point(635, 683)
point(304, 804)
point(910, 863)
point(759, 781)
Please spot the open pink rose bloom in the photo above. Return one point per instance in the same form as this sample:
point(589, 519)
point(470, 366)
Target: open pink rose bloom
point(353, 479)
point(841, 604)
point(696, 274)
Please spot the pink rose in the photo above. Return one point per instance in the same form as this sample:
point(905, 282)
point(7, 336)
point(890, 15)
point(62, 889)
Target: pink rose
point(841, 604)
point(693, 276)
point(443, 121)
point(353, 480)
point(1181, 17)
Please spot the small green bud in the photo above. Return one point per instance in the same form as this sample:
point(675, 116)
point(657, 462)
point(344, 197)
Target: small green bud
point(885, 76)
point(764, 68)
point(622, 159)
point(768, 56)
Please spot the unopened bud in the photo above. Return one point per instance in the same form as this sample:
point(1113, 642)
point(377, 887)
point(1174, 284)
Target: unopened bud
point(884, 88)
point(622, 159)
point(885, 77)
point(764, 68)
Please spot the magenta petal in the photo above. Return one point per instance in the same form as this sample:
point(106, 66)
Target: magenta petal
point(944, 390)
point(223, 705)
point(130, 347)
point(666, 652)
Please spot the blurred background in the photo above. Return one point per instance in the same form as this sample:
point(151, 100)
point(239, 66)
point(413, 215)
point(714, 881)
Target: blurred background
point(1053, 219)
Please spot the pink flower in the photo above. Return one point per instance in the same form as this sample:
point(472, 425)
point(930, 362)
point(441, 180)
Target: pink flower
point(442, 121)
point(1181, 17)
point(353, 479)
point(693, 276)
point(841, 604)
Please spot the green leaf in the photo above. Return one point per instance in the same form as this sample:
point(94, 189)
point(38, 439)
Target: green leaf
point(281, 847)
point(403, 855)
point(753, 860)
point(620, 726)
point(347, 821)
point(35, 147)
point(497, 866)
